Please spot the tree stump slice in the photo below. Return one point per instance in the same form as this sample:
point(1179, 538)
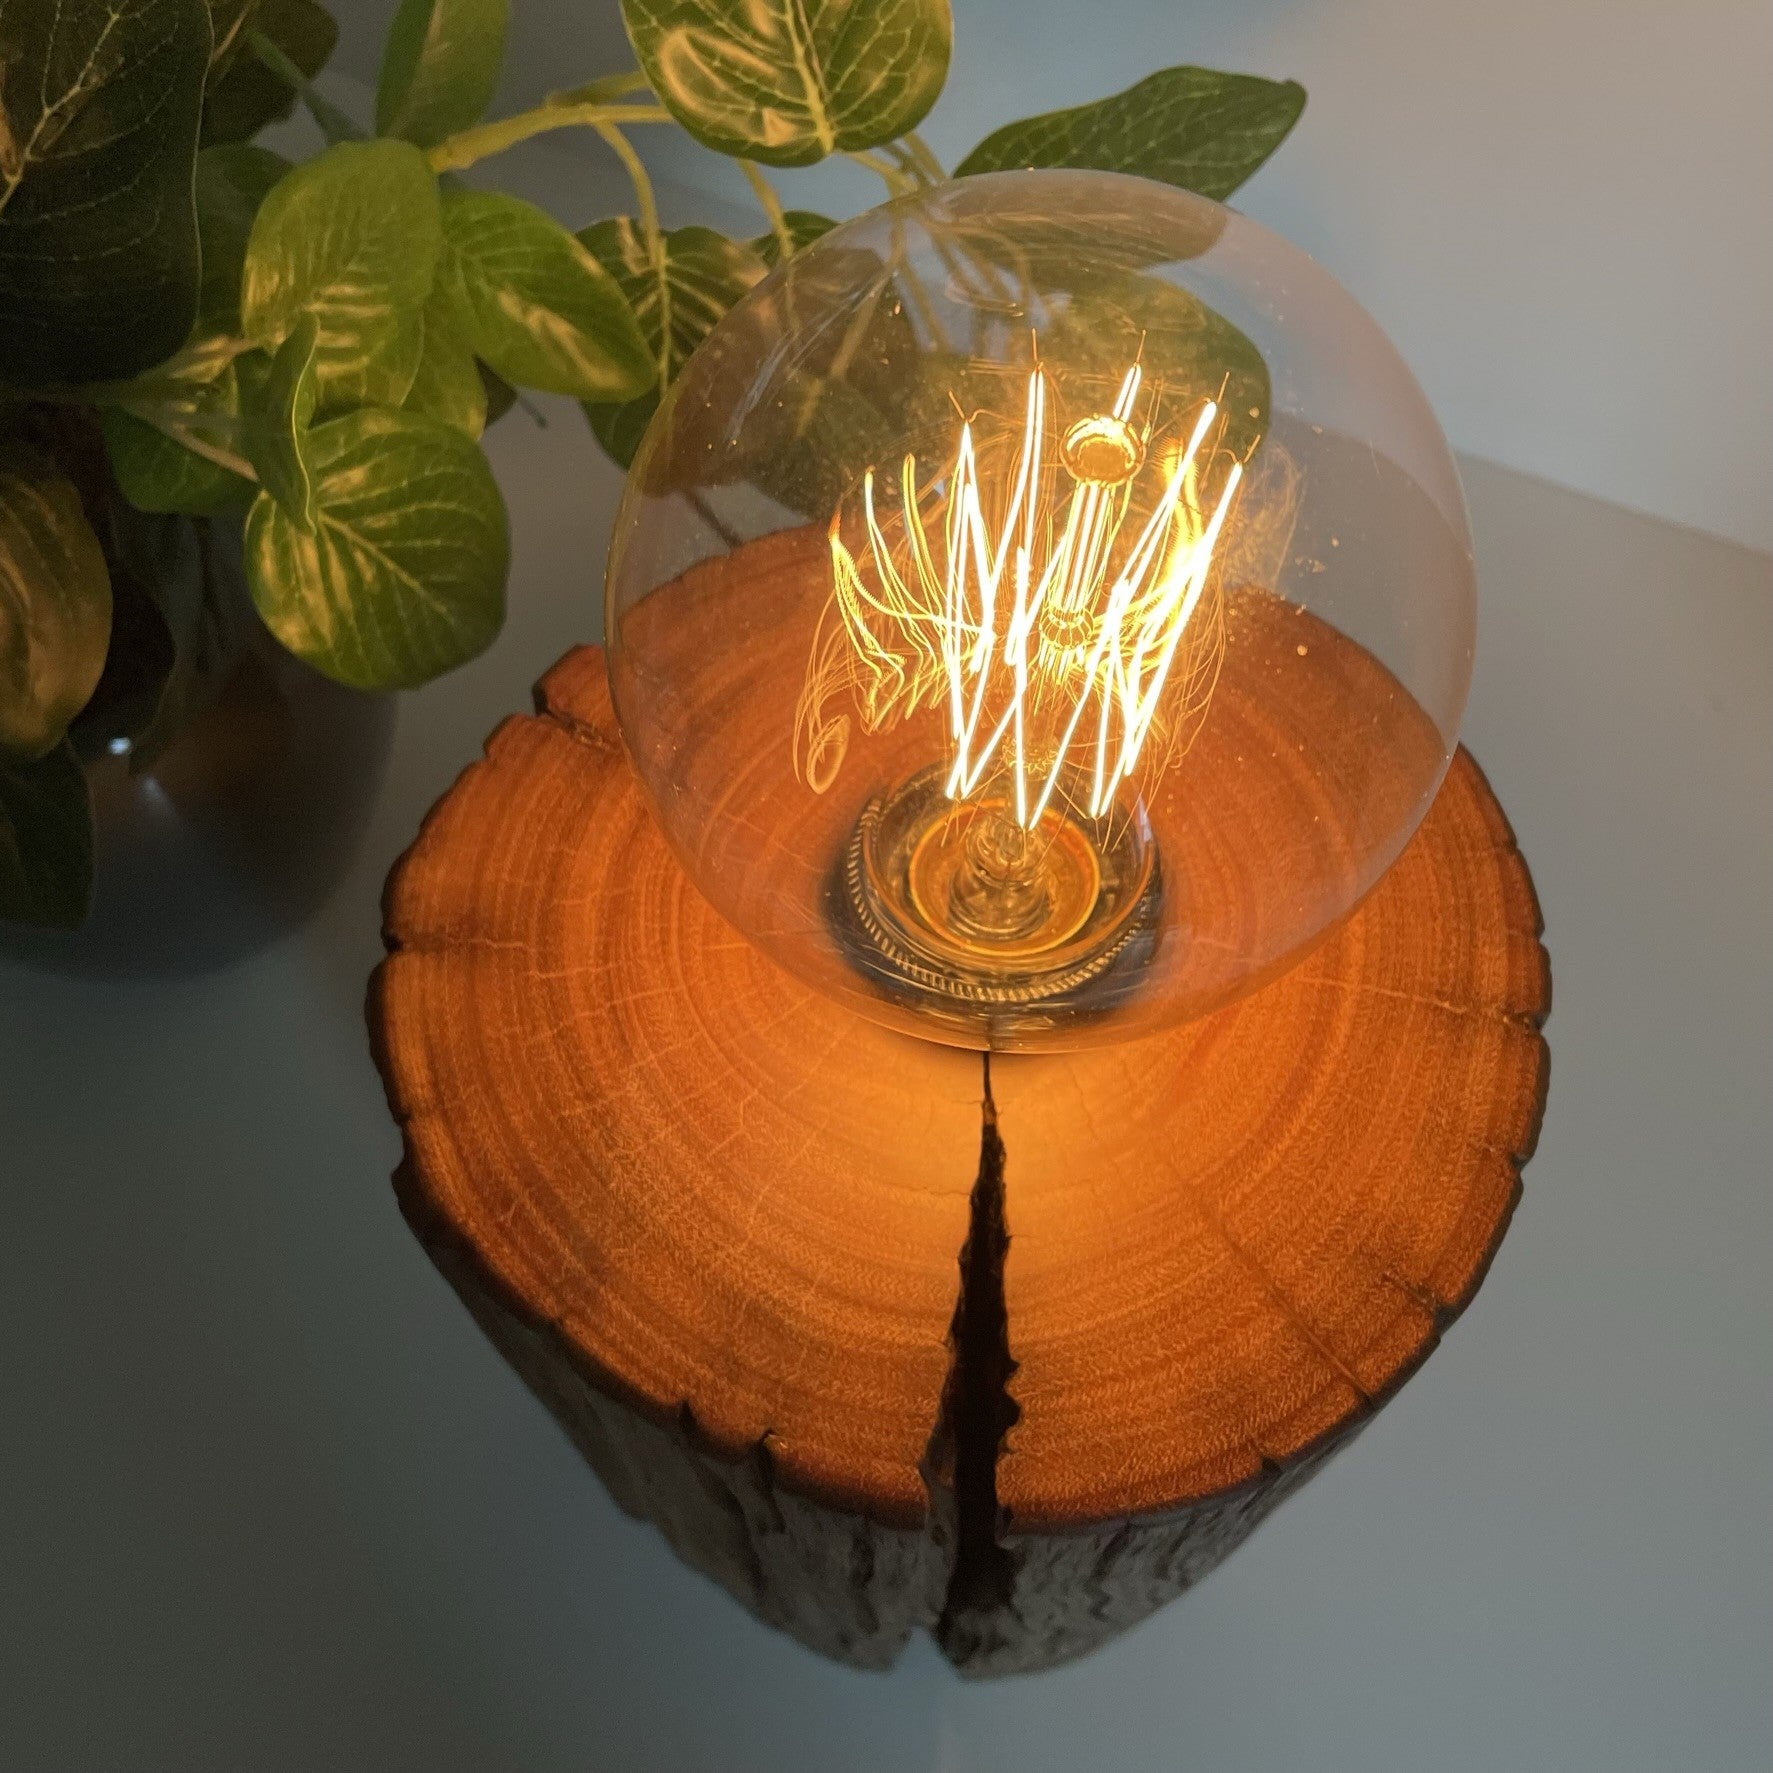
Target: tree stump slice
point(883, 1335)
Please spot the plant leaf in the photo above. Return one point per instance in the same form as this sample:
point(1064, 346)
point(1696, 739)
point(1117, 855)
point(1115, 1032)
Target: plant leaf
point(1204, 131)
point(353, 238)
point(233, 180)
point(1114, 317)
point(850, 396)
point(275, 434)
point(535, 303)
point(328, 118)
point(156, 473)
point(678, 301)
point(787, 82)
point(55, 603)
point(500, 395)
point(804, 227)
point(244, 95)
point(439, 68)
point(619, 426)
point(449, 385)
point(677, 304)
point(98, 232)
point(153, 427)
point(403, 577)
point(45, 839)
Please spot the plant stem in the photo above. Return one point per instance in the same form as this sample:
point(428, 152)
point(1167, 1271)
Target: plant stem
point(896, 180)
point(602, 91)
point(224, 45)
point(202, 355)
point(908, 164)
point(170, 427)
point(913, 287)
point(564, 111)
point(643, 186)
point(334, 124)
point(649, 228)
point(771, 205)
point(920, 151)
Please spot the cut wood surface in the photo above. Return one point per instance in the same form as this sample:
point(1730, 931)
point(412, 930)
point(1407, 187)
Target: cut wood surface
point(718, 1222)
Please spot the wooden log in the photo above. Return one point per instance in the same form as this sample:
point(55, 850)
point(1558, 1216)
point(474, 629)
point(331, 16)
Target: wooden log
point(884, 1336)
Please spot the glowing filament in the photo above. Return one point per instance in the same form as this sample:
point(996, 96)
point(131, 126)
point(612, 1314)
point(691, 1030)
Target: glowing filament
point(1042, 616)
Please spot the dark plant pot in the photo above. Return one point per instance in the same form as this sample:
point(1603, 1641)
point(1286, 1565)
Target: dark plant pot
point(237, 833)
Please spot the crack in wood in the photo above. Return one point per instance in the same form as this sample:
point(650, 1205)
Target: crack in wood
point(583, 731)
point(1284, 1306)
point(978, 1410)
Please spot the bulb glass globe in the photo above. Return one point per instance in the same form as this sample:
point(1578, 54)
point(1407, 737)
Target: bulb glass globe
point(1041, 609)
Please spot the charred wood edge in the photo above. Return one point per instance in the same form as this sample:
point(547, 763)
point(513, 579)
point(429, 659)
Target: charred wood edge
point(962, 1571)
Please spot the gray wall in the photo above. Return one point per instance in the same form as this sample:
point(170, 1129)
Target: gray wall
point(1562, 210)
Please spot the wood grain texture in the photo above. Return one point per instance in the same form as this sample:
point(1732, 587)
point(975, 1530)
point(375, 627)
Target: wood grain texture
point(716, 1220)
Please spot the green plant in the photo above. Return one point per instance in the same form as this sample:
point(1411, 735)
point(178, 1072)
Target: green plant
point(196, 334)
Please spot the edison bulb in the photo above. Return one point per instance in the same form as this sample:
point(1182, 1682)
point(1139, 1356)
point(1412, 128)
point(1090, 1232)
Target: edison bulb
point(1041, 610)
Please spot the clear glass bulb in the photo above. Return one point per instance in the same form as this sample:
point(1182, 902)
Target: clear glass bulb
point(1041, 610)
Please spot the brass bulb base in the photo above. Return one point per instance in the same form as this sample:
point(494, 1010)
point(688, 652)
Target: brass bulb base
point(951, 903)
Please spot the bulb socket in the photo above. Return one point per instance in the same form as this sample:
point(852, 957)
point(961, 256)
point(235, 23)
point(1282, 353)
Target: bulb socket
point(946, 903)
